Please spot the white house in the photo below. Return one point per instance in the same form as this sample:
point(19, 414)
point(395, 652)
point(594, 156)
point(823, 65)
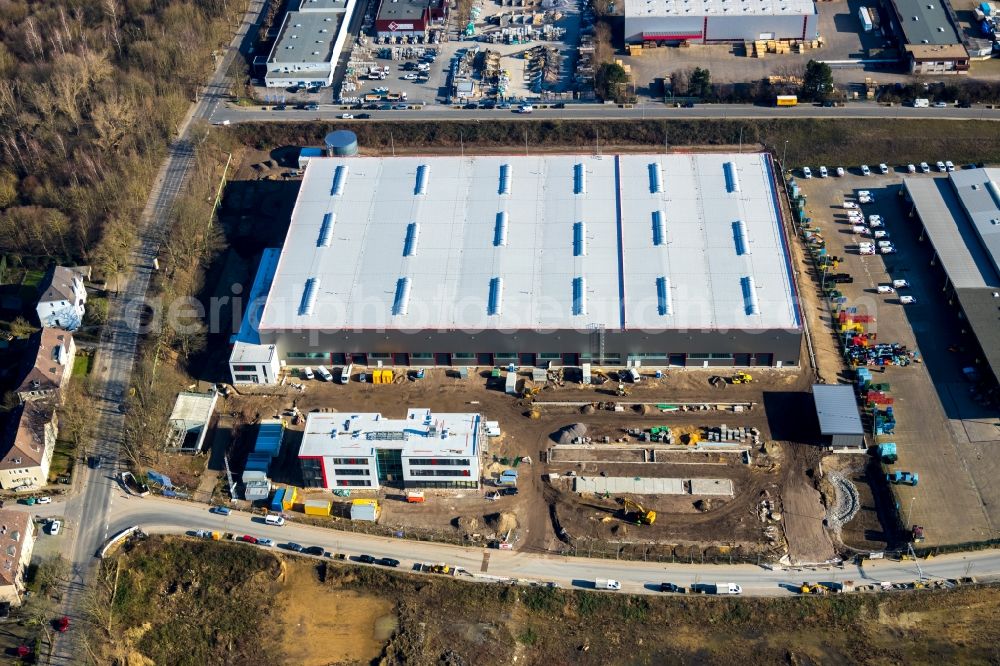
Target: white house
point(26, 451)
point(61, 304)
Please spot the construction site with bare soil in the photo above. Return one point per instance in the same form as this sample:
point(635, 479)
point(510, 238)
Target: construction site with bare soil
point(678, 469)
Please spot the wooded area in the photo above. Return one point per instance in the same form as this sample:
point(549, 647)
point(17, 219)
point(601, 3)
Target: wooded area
point(91, 92)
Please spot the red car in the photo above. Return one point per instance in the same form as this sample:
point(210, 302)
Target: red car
point(62, 624)
point(248, 538)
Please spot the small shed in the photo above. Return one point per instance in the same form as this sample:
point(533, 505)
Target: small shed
point(839, 419)
point(189, 421)
point(306, 154)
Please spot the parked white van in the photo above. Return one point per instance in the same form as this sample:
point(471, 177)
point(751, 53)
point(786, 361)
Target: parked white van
point(273, 519)
point(345, 373)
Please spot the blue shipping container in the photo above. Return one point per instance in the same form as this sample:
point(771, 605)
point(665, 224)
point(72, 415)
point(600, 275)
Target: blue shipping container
point(279, 496)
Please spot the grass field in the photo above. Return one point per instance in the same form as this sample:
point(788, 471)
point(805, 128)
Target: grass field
point(186, 602)
point(810, 141)
point(82, 365)
point(62, 459)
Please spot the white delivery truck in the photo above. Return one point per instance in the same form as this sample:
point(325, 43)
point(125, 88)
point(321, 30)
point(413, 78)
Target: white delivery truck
point(607, 584)
point(921, 103)
point(728, 588)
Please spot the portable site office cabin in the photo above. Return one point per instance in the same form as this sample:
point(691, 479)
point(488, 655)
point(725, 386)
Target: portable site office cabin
point(365, 509)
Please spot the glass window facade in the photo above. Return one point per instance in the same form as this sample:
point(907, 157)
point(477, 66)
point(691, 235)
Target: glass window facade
point(245, 368)
point(351, 471)
point(349, 461)
point(439, 461)
point(442, 484)
point(439, 472)
point(251, 379)
point(353, 482)
point(308, 355)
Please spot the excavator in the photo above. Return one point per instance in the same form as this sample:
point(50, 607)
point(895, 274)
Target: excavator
point(636, 513)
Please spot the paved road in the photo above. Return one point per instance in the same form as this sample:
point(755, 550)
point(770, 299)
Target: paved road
point(87, 513)
point(238, 114)
point(158, 515)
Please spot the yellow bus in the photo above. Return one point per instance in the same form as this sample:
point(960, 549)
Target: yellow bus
point(787, 100)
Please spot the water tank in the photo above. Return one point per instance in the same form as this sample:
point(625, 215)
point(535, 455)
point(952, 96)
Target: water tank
point(341, 143)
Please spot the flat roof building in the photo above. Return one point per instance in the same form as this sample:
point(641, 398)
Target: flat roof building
point(960, 216)
point(189, 420)
point(926, 31)
point(706, 21)
point(629, 259)
point(367, 450)
point(397, 18)
point(839, 418)
point(309, 44)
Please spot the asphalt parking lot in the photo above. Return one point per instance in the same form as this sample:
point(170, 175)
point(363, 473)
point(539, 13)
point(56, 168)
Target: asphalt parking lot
point(953, 497)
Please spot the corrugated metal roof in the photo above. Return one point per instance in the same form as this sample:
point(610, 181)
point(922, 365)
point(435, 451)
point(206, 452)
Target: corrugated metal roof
point(470, 233)
point(837, 409)
point(979, 193)
point(941, 210)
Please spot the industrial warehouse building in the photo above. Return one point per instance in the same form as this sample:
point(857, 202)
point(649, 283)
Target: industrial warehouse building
point(409, 18)
point(706, 21)
point(423, 450)
point(309, 44)
point(926, 30)
point(655, 260)
point(960, 216)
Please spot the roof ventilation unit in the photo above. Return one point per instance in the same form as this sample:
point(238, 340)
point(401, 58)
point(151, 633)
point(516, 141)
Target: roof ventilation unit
point(740, 236)
point(496, 296)
point(422, 174)
point(665, 304)
point(732, 179)
point(994, 190)
point(401, 303)
point(326, 231)
point(655, 179)
point(412, 234)
point(339, 178)
point(579, 179)
point(659, 228)
point(579, 296)
point(750, 295)
point(504, 179)
point(309, 295)
point(500, 231)
point(579, 239)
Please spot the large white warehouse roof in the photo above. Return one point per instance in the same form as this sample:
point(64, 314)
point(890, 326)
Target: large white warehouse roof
point(641, 241)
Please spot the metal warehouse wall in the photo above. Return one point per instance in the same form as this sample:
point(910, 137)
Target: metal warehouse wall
point(725, 28)
point(783, 344)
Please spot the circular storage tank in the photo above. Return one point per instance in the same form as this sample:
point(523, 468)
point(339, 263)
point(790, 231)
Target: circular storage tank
point(341, 143)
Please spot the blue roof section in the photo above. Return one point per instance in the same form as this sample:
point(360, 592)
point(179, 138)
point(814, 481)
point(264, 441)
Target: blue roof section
point(248, 332)
point(269, 438)
point(837, 409)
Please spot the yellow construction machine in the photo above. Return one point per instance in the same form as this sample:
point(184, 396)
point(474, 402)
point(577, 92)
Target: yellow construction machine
point(527, 393)
point(741, 378)
point(635, 512)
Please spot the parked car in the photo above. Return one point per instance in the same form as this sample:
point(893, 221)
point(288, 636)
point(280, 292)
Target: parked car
point(949, 165)
point(881, 233)
point(885, 289)
point(95, 462)
point(840, 171)
point(940, 166)
point(508, 491)
point(865, 171)
point(850, 204)
point(221, 510)
point(313, 550)
point(807, 172)
point(900, 284)
point(324, 374)
point(347, 116)
point(387, 562)
point(965, 105)
point(294, 547)
point(279, 107)
point(363, 116)
point(940, 105)
point(887, 249)
point(265, 542)
point(366, 559)
point(246, 538)
point(44, 500)
point(910, 168)
point(907, 300)
point(671, 587)
point(312, 106)
point(308, 373)
point(883, 168)
point(823, 173)
point(925, 167)
point(54, 527)
point(875, 221)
